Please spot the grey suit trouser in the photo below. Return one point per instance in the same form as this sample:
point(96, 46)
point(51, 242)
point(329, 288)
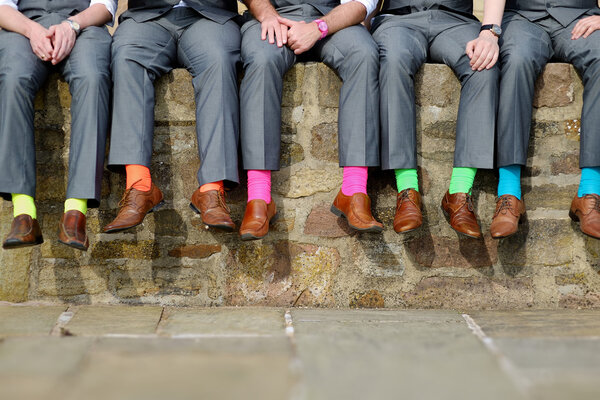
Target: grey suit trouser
point(525, 49)
point(405, 42)
point(350, 51)
point(142, 52)
point(22, 73)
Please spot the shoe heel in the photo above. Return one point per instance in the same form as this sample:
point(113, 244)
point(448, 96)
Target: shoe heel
point(157, 207)
point(194, 209)
point(573, 216)
point(336, 211)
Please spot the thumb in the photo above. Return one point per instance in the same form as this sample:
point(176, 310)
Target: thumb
point(470, 48)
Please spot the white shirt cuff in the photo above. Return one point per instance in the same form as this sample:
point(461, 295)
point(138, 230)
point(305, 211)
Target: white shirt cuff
point(370, 5)
point(110, 5)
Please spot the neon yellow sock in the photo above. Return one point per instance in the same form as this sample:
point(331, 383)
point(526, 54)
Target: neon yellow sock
point(462, 180)
point(23, 204)
point(76, 204)
point(406, 178)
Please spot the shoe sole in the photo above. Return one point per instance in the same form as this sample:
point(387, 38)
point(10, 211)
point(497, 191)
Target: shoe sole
point(249, 236)
point(459, 232)
point(155, 208)
point(521, 220)
point(9, 245)
point(74, 245)
point(339, 213)
point(226, 228)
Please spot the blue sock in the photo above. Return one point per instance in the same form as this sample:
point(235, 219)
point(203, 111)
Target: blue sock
point(510, 181)
point(590, 181)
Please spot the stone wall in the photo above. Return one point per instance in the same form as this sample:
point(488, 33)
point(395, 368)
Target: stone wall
point(311, 258)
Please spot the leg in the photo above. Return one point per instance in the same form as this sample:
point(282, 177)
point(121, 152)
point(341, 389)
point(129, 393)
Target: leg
point(212, 63)
point(260, 98)
point(21, 75)
point(402, 51)
point(87, 70)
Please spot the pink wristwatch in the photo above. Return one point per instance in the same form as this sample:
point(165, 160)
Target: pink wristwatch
point(323, 28)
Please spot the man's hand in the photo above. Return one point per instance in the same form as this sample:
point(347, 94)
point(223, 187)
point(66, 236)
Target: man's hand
point(63, 39)
point(585, 27)
point(483, 51)
point(274, 30)
point(39, 41)
point(301, 36)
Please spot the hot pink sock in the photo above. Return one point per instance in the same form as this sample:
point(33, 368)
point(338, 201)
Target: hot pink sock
point(355, 180)
point(259, 185)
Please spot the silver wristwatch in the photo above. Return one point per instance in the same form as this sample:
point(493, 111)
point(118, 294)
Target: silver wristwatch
point(75, 26)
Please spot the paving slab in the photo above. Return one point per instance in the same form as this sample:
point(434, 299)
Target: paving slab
point(412, 354)
point(114, 320)
point(28, 320)
point(223, 322)
point(165, 368)
point(544, 323)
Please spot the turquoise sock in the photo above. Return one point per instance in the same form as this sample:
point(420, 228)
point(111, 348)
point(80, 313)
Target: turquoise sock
point(590, 181)
point(462, 180)
point(510, 180)
point(406, 178)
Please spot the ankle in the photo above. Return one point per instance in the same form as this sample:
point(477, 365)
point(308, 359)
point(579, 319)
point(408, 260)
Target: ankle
point(138, 177)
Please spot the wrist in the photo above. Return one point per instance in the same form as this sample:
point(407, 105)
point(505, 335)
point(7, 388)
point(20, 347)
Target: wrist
point(488, 35)
point(322, 28)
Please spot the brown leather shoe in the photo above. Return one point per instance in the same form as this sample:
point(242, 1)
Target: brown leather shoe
point(586, 210)
point(509, 213)
point(408, 211)
point(25, 231)
point(459, 210)
point(212, 208)
point(357, 210)
point(71, 230)
point(255, 224)
point(134, 206)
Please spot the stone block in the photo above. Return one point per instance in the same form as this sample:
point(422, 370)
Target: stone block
point(142, 249)
point(565, 164)
point(550, 196)
point(70, 279)
point(430, 251)
point(376, 258)
point(306, 181)
point(329, 87)
point(370, 299)
point(554, 87)
point(436, 85)
point(324, 142)
point(195, 251)
point(322, 222)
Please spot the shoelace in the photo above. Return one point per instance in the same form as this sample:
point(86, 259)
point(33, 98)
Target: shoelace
point(504, 204)
point(221, 200)
point(469, 202)
point(596, 198)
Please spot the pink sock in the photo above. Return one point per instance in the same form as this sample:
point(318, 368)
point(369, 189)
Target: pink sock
point(259, 185)
point(355, 180)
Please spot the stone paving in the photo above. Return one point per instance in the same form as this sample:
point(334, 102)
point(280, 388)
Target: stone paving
point(152, 352)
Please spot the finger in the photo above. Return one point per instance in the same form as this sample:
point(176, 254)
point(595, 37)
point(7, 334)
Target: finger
point(271, 35)
point(284, 34)
point(480, 55)
point(580, 28)
point(285, 21)
point(278, 35)
point(488, 59)
point(64, 50)
point(46, 48)
point(263, 32)
point(589, 31)
point(494, 59)
point(469, 49)
point(59, 38)
point(50, 31)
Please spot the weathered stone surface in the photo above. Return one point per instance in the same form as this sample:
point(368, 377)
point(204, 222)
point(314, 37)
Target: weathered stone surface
point(549, 196)
point(554, 87)
point(71, 279)
point(459, 252)
point(291, 153)
point(324, 143)
point(143, 249)
point(306, 182)
point(370, 299)
point(565, 164)
point(28, 320)
point(14, 272)
point(195, 251)
point(471, 293)
point(441, 130)
point(322, 222)
point(329, 87)
point(587, 300)
point(446, 86)
point(377, 258)
point(281, 274)
point(103, 320)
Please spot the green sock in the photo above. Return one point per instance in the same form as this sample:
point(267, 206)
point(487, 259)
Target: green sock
point(23, 204)
point(462, 180)
point(406, 178)
point(76, 204)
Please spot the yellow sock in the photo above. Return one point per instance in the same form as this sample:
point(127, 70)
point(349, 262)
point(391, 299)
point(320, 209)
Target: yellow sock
point(23, 204)
point(76, 204)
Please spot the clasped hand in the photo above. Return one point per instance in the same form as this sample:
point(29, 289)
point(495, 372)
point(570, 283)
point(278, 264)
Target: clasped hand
point(297, 35)
point(52, 44)
point(483, 51)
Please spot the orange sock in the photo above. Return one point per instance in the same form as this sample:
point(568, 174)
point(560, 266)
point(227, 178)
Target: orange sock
point(212, 186)
point(138, 177)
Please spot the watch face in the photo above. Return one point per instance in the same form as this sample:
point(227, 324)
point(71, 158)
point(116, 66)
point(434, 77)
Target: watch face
point(496, 30)
point(323, 26)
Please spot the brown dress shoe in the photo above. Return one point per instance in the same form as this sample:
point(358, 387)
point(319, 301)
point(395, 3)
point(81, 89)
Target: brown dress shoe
point(509, 213)
point(25, 231)
point(586, 210)
point(459, 210)
point(134, 206)
point(408, 211)
point(357, 210)
point(212, 208)
point(71, 230)
point(255, 224)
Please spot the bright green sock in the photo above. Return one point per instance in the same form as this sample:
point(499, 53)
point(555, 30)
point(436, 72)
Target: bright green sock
point(406, 178)
point(462, 180)
point(76, 204)
point(23, 204)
